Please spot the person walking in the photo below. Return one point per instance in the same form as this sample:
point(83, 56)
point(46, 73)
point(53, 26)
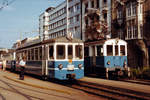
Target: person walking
point(22, 68)
point(4, 64)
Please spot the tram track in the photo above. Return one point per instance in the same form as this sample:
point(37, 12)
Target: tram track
point(143, 82)
point(109, 92)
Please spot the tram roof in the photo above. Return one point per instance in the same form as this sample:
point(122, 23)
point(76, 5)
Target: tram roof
point(64, 40)
point(103, 41)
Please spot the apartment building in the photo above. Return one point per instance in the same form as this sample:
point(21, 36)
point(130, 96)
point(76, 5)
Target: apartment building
point(129, 23)
point(64, 18)
point(74, 18)
point(102, 8)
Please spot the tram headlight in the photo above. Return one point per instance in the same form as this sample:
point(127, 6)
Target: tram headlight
point(60, 66)
point(80, 66)
point(108, 63)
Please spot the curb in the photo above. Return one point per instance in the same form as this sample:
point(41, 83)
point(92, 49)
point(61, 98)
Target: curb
point(37, 86)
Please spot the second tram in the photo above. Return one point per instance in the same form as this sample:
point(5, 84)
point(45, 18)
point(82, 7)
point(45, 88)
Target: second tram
point(106, 57)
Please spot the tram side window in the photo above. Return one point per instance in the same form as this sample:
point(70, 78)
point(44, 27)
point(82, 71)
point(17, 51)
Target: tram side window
point(60, 52)
point(32, 54)
point(100, 50)
point(40, 53)
point(51, 52)
point(86, 51)
point(79, 52)
point(70, 52)
point(36, 53)
point(122, 50)
point(109, 50)
point(29, 57)
point(116, 50)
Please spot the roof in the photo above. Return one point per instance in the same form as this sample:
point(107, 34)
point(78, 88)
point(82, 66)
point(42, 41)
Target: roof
point(64, 40)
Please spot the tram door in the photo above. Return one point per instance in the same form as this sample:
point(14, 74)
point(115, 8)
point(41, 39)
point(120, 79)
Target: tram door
point(44, 60)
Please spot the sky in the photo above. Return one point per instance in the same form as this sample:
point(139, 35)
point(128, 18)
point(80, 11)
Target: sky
point(21, 17)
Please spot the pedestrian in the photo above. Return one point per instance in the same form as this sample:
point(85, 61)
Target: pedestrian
point(4, 64)
point(22, 68)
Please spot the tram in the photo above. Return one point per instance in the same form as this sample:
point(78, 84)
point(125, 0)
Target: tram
point(60, 58)
point(106, 57)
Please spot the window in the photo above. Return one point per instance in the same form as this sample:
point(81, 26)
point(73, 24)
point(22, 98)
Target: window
point(109, 50)
point(77, 18)
point(40, 53)
point(32, 54)
point(86, 53)
point(77, 7)
point(116, 50)
point(92, 4)
point(86, 6)
point(134, 10)
point(122, 50)
point(60, 52)
point(29, 57)
point(99, 51)
point(36, 53)
point(79, 53)
point(51, 52)
point(97, 3)
point(70, 52)
point(129, 32)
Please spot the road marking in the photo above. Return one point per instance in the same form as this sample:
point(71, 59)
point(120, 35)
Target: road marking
point(37, 86)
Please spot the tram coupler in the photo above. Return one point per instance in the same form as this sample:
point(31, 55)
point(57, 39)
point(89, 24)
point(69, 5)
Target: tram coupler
point(71, 76)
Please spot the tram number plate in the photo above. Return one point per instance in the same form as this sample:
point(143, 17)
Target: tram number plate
point(70, 67)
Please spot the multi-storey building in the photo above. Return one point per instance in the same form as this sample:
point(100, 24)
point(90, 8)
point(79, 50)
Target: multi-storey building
point(103, 8)
point(43, 23)
point(129, 23)
point(65, 18)
point(74, 18)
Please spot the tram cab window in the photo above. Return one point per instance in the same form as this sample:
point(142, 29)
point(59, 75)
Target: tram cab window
point(116, 50)
point(122, 50)
point(100, 50)
point(51, 52)
point(79, 52)
point(86, 53)
point(60, 52)
point(70, 52)
point(109, 50)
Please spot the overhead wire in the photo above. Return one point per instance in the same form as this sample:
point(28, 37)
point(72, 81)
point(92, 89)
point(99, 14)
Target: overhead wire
point(6, 3)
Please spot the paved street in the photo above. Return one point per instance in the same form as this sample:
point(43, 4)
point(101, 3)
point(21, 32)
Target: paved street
point(11, 88)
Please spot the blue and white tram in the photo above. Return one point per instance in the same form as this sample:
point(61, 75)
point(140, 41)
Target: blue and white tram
point(59, 58)
point(106, 57)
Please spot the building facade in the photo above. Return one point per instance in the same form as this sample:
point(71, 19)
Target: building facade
point(63, 19)
point(103, 10)
point(128, 22)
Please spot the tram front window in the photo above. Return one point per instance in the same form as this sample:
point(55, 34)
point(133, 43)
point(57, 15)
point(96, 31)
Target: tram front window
point(70, 52)
point(99, 50)
point(122, 50)
point(51, 52)
point(60, 52)
point(109, 50)
point(116, 50)
point(79, 52)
